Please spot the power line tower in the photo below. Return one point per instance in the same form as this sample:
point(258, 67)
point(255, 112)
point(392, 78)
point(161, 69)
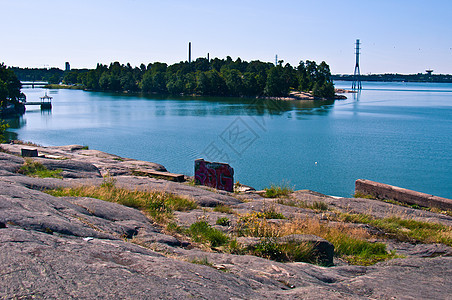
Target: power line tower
point(356, 85)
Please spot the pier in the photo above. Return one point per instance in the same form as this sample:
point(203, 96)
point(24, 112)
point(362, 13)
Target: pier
point(45, 103)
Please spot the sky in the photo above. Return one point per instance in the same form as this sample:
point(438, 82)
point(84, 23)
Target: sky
point(397, 36)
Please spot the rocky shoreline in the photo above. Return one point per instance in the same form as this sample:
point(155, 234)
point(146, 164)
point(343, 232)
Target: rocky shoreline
point(80, 247)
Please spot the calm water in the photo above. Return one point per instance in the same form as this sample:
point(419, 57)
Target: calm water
point(396, 133)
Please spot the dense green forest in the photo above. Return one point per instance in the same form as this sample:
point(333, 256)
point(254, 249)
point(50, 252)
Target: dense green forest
point(216, 77)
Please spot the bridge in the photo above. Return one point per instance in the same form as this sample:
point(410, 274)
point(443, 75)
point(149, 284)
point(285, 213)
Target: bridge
point(34, 83)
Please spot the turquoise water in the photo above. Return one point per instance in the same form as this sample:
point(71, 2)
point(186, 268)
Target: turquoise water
point(396, 133)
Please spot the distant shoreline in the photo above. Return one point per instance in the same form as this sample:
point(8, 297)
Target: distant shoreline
point(434, 78)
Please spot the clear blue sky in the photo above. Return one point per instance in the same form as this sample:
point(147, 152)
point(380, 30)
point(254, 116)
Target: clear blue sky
point(397, 35)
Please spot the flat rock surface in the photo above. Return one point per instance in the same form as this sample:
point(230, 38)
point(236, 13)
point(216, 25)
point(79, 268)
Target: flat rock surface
point(78, 247)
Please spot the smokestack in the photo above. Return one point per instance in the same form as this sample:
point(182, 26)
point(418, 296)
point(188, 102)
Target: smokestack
point(208, 56)
point(189, 52)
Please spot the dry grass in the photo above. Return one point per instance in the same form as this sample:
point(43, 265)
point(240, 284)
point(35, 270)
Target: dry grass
point(405, 229)
point(350, 243)
point(158, 205)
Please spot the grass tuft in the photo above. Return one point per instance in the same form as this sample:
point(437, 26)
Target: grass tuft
point(223, 209)
point(275, 191)
point(202, 261)
point(202, 232)
point(223, 221)
point(36, 169)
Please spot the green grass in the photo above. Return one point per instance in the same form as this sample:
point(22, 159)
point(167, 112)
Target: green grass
point(284, 252)
point(158, 205)
point(275, 191)
point(36, 169)
point(317, 205)
point(202, 232)
point(223, 221)
point(223, 209)
point(405, 229)
point(172, 227)
point(3, 127)
point(202, 261)
point(364, 196)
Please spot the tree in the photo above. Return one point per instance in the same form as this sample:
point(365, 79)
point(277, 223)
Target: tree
point(3, 127)
point(9, 87)
point(276, 85)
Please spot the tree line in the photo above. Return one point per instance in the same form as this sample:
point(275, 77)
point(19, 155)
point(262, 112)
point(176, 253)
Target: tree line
point(216, 77)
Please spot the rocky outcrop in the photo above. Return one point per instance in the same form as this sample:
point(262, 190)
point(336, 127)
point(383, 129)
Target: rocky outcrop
point(78, 247)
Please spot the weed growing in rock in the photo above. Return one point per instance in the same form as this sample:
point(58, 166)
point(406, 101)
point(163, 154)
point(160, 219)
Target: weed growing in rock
point(275, 191)
point(223, 221)
point(202, 232)
point(317, 205)
point(174, 228)
point(36, 169)
point(223, 209)
point(202, 261)
point(158, 205)
point(270, 212)
point(364, 196)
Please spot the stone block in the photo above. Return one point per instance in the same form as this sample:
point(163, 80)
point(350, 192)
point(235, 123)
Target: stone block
point(213, 174)
point(29, 152)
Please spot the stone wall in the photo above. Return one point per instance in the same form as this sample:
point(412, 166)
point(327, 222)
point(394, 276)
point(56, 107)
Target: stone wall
point(386, 191)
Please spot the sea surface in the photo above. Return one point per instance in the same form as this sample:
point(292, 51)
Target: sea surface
point(395, 133)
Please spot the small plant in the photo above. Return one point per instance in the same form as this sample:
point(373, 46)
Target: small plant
point(36, 169)
point(85, 148)
point(252, 224)
point(364, 196)
point(108, 182)
point(237, 187)
point(3, 127)
point(223, 209)
point(223, 221)
point(235, 247)
point(202, 232)
point(202, 261)
point(174, 228)
point(317, 205)
point(275, 191)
